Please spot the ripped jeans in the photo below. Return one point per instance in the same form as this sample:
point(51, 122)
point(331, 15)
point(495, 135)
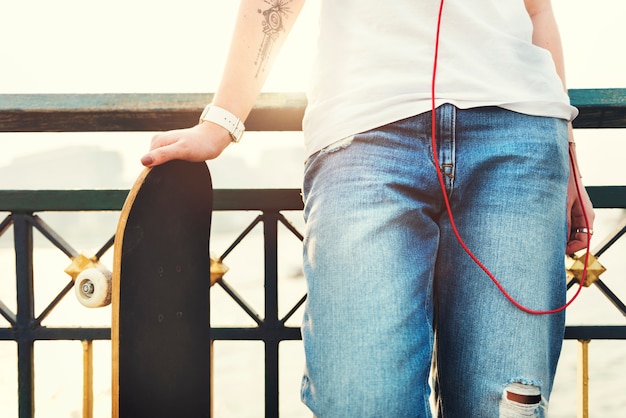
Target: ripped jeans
point(389, 285)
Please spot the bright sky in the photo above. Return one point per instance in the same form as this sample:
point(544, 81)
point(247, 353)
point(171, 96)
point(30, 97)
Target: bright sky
point(77, 46)
point(64, 46)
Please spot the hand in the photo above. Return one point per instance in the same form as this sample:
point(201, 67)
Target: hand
point(202, 142)
point(575, 216)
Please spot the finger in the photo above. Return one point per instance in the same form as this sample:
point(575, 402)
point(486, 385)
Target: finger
point(165, 138)
point(162, 154)
point(165, 146)
point(578, 240)
point(158, 141)
point(148, 160)
point(574, 245)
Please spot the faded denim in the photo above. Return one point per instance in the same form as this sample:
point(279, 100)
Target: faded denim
point(389, 284)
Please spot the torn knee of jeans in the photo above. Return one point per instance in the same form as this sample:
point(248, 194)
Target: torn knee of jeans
point(520, 400)
point(339, 145)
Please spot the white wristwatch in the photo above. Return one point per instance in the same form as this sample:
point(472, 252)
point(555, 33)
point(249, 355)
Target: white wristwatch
point(225, 119)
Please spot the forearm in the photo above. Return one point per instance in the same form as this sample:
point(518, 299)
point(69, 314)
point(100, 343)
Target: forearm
point(546, 33)
point(260, 31)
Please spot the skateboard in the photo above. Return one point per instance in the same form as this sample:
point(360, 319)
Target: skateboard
point(159, 294)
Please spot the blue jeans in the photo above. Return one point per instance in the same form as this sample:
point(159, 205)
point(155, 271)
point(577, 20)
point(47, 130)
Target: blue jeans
point(389, 284)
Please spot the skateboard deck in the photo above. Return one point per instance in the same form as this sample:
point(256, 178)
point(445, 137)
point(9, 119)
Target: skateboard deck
point(160, 286)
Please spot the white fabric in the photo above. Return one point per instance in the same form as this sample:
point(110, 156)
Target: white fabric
point(374, 64)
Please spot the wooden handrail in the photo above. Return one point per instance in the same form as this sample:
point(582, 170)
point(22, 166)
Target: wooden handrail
point(136, 112)
point(599, 108)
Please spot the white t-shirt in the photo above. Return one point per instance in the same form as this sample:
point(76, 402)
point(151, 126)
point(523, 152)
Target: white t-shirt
point(375, 58)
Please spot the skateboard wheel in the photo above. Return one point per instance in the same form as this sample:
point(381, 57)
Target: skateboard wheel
point(93, 287)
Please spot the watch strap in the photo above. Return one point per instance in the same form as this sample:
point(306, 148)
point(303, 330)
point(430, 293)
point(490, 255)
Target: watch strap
point(225, 119)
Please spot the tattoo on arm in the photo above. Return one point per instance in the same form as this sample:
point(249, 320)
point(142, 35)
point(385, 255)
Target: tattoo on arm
point(272, 24)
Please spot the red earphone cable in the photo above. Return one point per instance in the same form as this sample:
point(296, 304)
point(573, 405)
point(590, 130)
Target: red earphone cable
point(449, 209)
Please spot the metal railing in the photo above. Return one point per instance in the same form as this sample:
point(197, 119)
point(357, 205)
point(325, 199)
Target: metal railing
point(25, 325)
point(274, 112)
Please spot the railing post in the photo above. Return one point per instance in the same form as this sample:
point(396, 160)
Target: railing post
point(87, 378)
point(272, 323)
point(23, 240)
point(583, 379)
point(210, 371)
